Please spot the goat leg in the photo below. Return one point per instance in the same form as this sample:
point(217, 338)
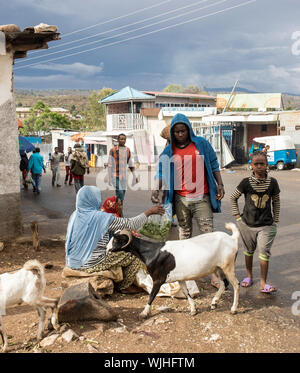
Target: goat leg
point(190, 299)
point(220, 291)
point(3, 336)
point(155, 289)
point(52, 304)
point(42, 313)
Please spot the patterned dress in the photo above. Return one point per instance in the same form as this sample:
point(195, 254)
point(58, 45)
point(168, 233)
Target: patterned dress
point(130, 264)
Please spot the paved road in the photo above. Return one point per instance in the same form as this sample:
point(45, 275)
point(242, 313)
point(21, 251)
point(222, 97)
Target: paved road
point(53, 207)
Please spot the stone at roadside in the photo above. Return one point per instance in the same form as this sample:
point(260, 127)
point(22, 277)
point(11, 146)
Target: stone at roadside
point(161, 320)
point(80, 302)
point(48, 341)
point(69, 336)
point(164, 309)
point(101, 285)
point(92, 349)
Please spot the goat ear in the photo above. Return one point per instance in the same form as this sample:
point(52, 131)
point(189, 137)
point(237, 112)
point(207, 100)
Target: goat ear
point(123, 238)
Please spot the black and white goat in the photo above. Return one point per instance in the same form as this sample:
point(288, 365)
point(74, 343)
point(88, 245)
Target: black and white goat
point(26, 285)
point(183, 260)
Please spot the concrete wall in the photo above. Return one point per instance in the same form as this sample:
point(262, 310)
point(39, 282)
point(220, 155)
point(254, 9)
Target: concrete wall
point(256, 130)
point(290, 125)
point(11, 222)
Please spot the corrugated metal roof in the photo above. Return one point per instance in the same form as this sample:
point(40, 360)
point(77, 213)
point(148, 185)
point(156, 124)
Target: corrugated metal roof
point(176, 94)
point(126, 94)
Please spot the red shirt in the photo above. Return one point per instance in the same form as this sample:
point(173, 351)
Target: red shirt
point(189, 171)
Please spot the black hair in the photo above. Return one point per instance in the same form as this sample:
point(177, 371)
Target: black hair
point(260, 153)
point(37, 150)
point(121, 134)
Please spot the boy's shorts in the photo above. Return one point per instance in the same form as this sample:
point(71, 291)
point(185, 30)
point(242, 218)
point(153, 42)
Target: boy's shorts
point(260, 238)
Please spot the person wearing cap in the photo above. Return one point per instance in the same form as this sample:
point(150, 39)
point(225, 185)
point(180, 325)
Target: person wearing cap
point(79, 165)
point(188, 170)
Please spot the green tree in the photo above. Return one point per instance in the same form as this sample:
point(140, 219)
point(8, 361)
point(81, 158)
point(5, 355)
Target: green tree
point(94, 115)
point(176, 88)
point(192, 89)
point(43, 120)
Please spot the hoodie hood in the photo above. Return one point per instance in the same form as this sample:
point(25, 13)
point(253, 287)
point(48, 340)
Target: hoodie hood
point(181, 118)
point(165, 170)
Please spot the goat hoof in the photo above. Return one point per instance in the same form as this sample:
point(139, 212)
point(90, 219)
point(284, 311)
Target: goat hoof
point(213, 306)
point(233, 312)
point(143, 316)
point(193, 313)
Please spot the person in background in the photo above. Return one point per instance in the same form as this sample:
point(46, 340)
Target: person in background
point(55, 167)
point(118, 161)
point(258, 222)
point(89, 231)
point(24, 167)
point(68, 157)
point(78, 166)
point(36, 166)
point(266, 149)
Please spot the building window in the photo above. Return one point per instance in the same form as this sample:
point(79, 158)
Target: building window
point(264, 128)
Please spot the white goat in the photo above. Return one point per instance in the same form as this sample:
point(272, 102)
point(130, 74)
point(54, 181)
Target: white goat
point(183, 260)
point(26, 285)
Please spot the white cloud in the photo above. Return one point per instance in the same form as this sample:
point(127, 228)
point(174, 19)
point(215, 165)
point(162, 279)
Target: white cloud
point(76, 68)
point(278, 72)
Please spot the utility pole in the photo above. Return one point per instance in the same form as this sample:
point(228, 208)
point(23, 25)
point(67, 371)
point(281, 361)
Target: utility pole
point(225, 107)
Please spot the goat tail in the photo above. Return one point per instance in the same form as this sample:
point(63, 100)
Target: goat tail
point(35, 265)
point(235, 232)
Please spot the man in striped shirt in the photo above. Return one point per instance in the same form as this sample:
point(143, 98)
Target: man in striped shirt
point(258, 222)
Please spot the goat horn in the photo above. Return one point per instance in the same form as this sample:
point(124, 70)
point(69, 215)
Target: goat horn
point(128, 234)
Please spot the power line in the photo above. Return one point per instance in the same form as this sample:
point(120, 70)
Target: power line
point(145, 34)
point(128, 32)
point(130, 24)
point(115, 19)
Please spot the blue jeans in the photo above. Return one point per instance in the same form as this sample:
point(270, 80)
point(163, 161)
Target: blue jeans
point(36, 178)
point(120, 186)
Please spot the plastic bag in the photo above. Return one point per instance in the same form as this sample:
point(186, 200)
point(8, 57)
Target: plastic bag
point(157, 227)
point(28, 178)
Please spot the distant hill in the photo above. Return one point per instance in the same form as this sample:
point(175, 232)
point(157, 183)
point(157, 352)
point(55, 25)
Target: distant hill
point(228, 90)
point(68, 98)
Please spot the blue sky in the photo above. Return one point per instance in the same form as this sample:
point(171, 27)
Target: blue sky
point(150, 44)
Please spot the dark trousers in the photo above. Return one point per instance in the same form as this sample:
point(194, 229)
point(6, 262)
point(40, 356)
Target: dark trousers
point(68, 174)
point(78, 183)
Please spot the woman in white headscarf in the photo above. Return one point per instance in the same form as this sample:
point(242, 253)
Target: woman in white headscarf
point(88, 234)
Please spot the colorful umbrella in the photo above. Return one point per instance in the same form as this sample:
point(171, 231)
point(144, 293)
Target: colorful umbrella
point(25, 145)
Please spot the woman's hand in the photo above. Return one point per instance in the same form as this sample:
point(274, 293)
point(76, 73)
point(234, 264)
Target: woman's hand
point(155, 210)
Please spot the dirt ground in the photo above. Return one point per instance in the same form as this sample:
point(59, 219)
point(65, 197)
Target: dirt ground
point(170, 329)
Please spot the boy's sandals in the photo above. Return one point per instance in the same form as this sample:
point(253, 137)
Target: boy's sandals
point(247, 282)
point(268, 289)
